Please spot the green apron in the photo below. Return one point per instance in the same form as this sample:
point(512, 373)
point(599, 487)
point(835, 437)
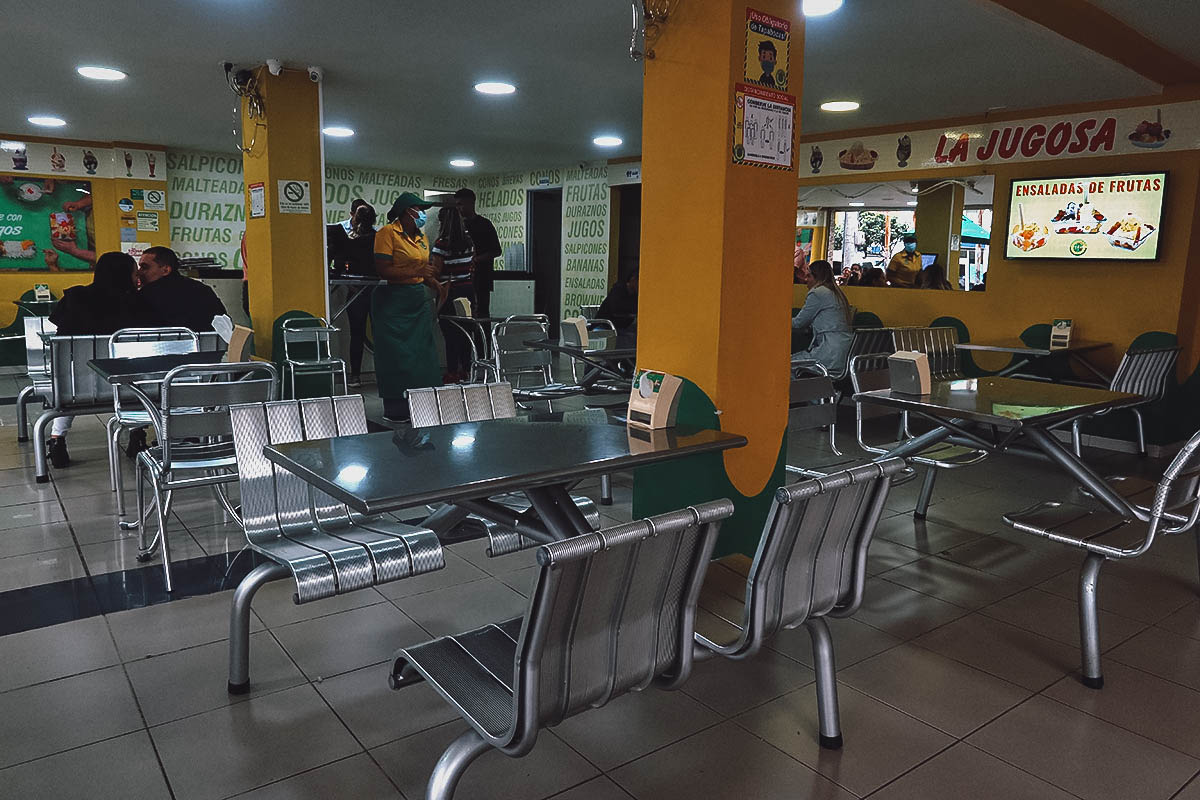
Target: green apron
point(405, 353)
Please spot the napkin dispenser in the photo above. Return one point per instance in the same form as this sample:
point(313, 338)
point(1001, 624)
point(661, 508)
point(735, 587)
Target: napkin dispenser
point(462, 307)
point(41, 292)
point(654, 400)
point(580, 326)
point(1060, 334)
point(909, 372)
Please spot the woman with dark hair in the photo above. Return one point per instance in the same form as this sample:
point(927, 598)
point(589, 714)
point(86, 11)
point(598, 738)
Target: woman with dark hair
point(933, 277)
point(103, 306)
point(352, 252)
point(452, 256)
point(827, 312)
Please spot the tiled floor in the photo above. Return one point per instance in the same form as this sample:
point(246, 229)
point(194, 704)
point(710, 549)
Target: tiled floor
point(956, 677)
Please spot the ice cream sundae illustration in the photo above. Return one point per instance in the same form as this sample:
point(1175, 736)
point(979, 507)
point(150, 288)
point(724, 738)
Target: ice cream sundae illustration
point(128, 165)
point(1150, 135)
point(89, 162)
point(903, 150)
point(20, 158)
point(816, 159)
point(58, 162)
point(150, 160)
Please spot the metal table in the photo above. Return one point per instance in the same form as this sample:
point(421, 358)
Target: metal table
point(464, 464)
point(147, 369)
point(993, 413)
point(1074, 351)
point(355, 285)
point(599, 362)
point(37, 308)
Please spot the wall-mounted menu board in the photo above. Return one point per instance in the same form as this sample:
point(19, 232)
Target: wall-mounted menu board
point(1107, 217)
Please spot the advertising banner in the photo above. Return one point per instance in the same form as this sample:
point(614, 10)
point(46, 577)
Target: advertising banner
point(81, 161)
point(45, 224)
point(768, 40)
point(586, 204)
point(763, 127)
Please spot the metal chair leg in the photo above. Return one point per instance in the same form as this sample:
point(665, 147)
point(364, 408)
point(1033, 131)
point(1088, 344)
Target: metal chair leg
point(112, 433)
point(833, 439)
point(163, 510)
point(40, 470)
point(23, 397)
point(827, 700)
point(1141, 432)
point(606, 490)
point(453, 763)
point(926, 494)
point(239, 623)
point(1089, 623)
point(1076, 439)
point(142, 511)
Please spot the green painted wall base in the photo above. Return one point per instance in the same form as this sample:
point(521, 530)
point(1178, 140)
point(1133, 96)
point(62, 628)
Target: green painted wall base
point(677, 484)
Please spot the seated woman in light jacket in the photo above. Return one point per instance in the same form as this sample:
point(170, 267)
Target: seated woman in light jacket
point(827, 313)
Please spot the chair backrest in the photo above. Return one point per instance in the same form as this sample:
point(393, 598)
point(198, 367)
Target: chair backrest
point(472, 402)
point(1146, 372)
point(612, 611)
point(195, 399)
point(516, 360)
point(811, 401)
point(871, 340)
point(37, 353)
point(307, 339)
point(866, 319)
point(139, 342)
point(939, 344)
point(73, 383)
point(589, 312)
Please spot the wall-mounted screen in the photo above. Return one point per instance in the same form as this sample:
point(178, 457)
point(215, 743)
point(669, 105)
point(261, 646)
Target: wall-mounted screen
point(1107, 217)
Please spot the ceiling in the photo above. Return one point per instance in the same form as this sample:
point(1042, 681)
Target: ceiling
point(887, 194)
point(401, 74)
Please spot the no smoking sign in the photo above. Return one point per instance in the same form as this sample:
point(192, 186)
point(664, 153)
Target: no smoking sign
point(294, 197)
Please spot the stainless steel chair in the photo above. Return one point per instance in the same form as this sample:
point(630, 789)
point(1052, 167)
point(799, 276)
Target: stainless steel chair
point(307, 351)
point(128, 413)
point(939, 344)
point(1104, 536)
point(37, 370)
point(1145, 372)
point(812, 403)
point(612, 612)
point(810, 563)
point(869, 372)
point(527, 369)
point(444, 405)
point(195, 438)
point(326, 548)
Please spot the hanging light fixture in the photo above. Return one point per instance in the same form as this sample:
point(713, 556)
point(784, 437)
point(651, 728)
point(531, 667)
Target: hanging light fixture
point(649, 18)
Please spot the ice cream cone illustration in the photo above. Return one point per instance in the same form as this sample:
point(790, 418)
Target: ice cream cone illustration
point(58, 162)
point(150, 160)
point(128, 165)
point(89, 162)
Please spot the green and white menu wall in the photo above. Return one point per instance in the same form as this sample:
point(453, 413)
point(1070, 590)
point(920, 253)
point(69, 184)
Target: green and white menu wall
point(208, 213)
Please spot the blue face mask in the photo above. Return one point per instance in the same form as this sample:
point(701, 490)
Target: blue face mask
point(910, 247)
point(420, 219)
point(767, 66)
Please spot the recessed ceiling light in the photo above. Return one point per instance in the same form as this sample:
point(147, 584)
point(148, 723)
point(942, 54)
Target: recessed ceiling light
point(857, 205)
point(839, 105)
point(47, 122)
point(12, 147)
point(912, 202)
point(101, 73)
point(608, 141)
point(461, 162)
point(819, 8)
point(494, 87)
point(338, 131)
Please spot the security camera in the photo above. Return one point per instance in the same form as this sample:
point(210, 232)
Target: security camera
point(274, 66)
point(315, 74)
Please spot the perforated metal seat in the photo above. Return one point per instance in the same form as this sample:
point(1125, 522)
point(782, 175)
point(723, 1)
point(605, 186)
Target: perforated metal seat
point(307, 351)
point(810, 563)
point(939, 344)
point(528, 370)
point(1145, 372)
point(445, 405)
point(1103, 535)
point(612, 612)
point(37, 370)
point(326, 548)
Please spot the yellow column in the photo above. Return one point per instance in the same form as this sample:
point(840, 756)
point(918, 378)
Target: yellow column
point(938, 223)
point(716, 263)
point(285, 251)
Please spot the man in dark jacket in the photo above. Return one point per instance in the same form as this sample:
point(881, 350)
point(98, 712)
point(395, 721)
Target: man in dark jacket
point(167, 298)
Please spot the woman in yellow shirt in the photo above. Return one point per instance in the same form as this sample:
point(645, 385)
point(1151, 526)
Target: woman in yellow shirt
point(401, 314)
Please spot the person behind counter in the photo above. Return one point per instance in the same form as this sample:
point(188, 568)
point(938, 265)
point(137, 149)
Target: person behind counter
point(827, 312)
point(902, 270)
point(168, 299)
point(621, 305)
point(453, 256)
point(353, 253)
point(487, 250)
point(104, 306)
point(402, 317)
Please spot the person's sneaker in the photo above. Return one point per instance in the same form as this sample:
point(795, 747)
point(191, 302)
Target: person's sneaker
point(355, 381)
point(137, 443)
point(57, 452)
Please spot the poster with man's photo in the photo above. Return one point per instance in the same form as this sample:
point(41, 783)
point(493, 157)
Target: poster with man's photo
point(45, 224)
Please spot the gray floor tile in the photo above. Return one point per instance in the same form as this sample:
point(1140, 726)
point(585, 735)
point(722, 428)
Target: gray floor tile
point(723, 763)
point(633, 725)
point(853, 641)
point(217, 539)
point(35, 569)
point(32, 514)
point(355, 777)
point(1162, 653)
point(190, 681)
point(521, 581)
point(45, 654)
point(1008, 652)
point(464, 607)
point(376, 713)
point(1057, 618)
point(173, 626)
point(273, 603)
point(1027, 562)
point(246, 745)
point(475, 551)
point(549, 769)
point(457, 570)
point(348, 640)
point(902, 612)
point(1083, 755)
point(952, 582)
point(925, 536)
point(936, 690)
point(51, 717)
point(1189, 792)
point(121, 554)
point(124, 767)
point(25, 493)
point(965, 772)
point(1185, 621)
point(881, 743)
point(1140, 589)
point(730, 687)
point(596, 789)
point(35, 539)
point(884, 555)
